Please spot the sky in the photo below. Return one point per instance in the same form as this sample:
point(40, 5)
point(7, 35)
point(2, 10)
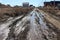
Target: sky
point(19, 2)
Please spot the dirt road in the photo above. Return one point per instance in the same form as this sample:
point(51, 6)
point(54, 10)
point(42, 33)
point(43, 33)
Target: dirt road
point(31, 26)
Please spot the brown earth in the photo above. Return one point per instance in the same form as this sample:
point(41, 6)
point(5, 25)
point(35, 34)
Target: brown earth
point(54, 20)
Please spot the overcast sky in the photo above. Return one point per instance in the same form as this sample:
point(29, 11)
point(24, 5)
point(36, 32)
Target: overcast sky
point(19, 2)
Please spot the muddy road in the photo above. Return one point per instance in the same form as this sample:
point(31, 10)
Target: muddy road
point(31, 26)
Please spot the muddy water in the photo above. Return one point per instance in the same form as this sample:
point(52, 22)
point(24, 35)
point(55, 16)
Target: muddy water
point(27, 27)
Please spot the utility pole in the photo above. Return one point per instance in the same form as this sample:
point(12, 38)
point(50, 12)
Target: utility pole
point(54, 3)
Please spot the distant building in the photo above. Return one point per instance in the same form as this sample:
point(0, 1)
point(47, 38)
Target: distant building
point(51, 3)
point(25, 4)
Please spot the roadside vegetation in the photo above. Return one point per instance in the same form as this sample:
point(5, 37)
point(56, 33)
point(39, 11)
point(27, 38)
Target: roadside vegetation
point(7, 11)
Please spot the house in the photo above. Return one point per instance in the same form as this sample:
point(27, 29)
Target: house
point(52, 3)
point(25, 4)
